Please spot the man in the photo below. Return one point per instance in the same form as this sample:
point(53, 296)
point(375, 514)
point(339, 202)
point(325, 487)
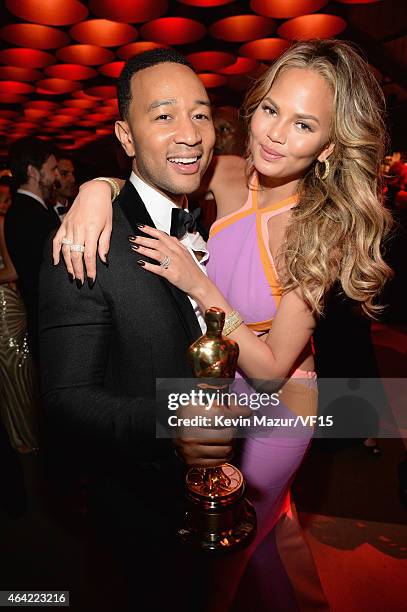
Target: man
point(29, 221)
point(103, 346)
point(65, 187)
point(230, 132)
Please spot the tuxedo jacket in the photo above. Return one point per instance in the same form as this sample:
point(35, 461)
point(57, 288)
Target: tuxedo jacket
point(102, 349)
point(27, 226)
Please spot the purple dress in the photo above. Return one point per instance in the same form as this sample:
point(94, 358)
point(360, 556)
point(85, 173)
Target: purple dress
point(277, 571)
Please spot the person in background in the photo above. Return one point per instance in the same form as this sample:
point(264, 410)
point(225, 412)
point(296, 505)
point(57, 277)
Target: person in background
point(65, 186)
point(18, 383)
point(29, 221)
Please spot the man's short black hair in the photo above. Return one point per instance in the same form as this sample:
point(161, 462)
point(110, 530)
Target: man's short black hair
point(25, 152)
point(140, 62)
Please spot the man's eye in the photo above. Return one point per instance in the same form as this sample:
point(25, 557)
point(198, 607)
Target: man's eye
point(201, 116)
point(163, 117)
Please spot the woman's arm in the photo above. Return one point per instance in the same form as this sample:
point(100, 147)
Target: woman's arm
point(7, 273)
point(88, 222)
point(292, 326)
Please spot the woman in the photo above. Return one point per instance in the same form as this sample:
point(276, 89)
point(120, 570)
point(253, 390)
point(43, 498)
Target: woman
point(306, 215)
point(18, 388)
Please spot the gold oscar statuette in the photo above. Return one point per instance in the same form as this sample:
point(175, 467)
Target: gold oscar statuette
point(218, 516)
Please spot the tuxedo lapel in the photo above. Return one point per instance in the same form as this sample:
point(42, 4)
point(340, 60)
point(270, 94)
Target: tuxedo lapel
point(135, 212)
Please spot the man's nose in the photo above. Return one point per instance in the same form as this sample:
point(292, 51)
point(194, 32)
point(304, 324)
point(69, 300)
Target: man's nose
point(188, 132)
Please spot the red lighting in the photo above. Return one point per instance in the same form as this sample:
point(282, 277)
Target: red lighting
point(87, 55)
point(357, 1)
point(265, 49)
point(283, 9)
point(58, 85)
point(55, 13)
point(211, 60)
point(243, 65)
point(34, 36)
point(41, 105)
point(73, 72)
point(15, 73)
point(80, 103)
point(102, 91)
point(11, 98)
point(35, 114)
point(8, 114)
point(173, 30)
point(97, 117)
point(307, 27)
point(103, 32)
point(242, 27)
point(136, 48)
point(129, 11)
point(112, 70)
point(212, 80)
point(206, 3)
point(72, 111)
point(26, 58)
point(15, 87)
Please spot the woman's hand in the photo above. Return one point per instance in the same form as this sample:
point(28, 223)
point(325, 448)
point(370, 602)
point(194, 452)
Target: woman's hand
point(87, 222)
point(181, 270)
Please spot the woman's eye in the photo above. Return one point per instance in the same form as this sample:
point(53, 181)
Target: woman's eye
point(269, 110)
point(304, 127)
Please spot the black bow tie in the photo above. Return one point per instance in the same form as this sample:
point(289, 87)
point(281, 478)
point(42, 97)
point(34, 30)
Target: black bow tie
point(183, 221)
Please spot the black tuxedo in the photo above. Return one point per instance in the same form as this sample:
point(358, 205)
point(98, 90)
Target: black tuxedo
point(101, 352)
point(26, 227)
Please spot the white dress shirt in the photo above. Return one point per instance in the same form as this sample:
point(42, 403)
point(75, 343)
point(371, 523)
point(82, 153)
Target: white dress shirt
point(159, 207)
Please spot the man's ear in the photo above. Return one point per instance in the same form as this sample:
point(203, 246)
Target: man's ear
point(33, 173)
point(123, 134)
point(326, 152)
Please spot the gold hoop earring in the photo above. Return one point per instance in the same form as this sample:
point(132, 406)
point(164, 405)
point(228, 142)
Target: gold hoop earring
point(326, 170)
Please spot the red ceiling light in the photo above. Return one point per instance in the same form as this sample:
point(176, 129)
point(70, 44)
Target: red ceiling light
point(136, 48)
point(212, 80)
point(206, 3)
point(35, 114)
point(129, 11)
point(8, 114)
point(58, 86)
point(357, 1)
point(283, 9)
point(26, 58)
point(72, 111)
point(87, 55)
point(211, 60)
point(81, 103)
point(16, 87)
point(242, 27)
point(97, 117)
point(27, 125)
point(103, 32)
point(73, 72)
point(265, 49)
point(55, 13)
point(307, 27)
point(112, 70)
point(173, 30)
point(102, 91)
point(34, 36)
point(41, 105)
point(104, 132)
point(111, 105)
point(12, 98)
point(15, 73)
point(242, 65)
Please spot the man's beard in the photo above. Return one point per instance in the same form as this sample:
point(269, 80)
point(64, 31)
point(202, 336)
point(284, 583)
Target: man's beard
point(46, 190)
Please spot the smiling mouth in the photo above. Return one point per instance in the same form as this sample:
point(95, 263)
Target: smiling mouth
point(185, 161)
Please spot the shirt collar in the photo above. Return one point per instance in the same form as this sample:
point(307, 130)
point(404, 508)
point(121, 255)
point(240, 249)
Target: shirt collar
point(158, 206)
point(32, 195)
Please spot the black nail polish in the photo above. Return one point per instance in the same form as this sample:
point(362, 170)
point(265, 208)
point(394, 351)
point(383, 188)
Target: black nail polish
point(79, 283)
point(141, 262)
point(135, 246)
point(106, 262)
point(70, 277)
point(140, 225)
point(91, 282)
point(130, 237)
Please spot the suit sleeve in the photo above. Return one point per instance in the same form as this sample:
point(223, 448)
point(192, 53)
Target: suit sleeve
point(75, 329)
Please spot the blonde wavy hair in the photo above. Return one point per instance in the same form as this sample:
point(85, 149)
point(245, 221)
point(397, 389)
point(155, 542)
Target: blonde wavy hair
point(339, 225)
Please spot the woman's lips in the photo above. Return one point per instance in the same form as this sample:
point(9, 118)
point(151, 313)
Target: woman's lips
point(269, 154)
